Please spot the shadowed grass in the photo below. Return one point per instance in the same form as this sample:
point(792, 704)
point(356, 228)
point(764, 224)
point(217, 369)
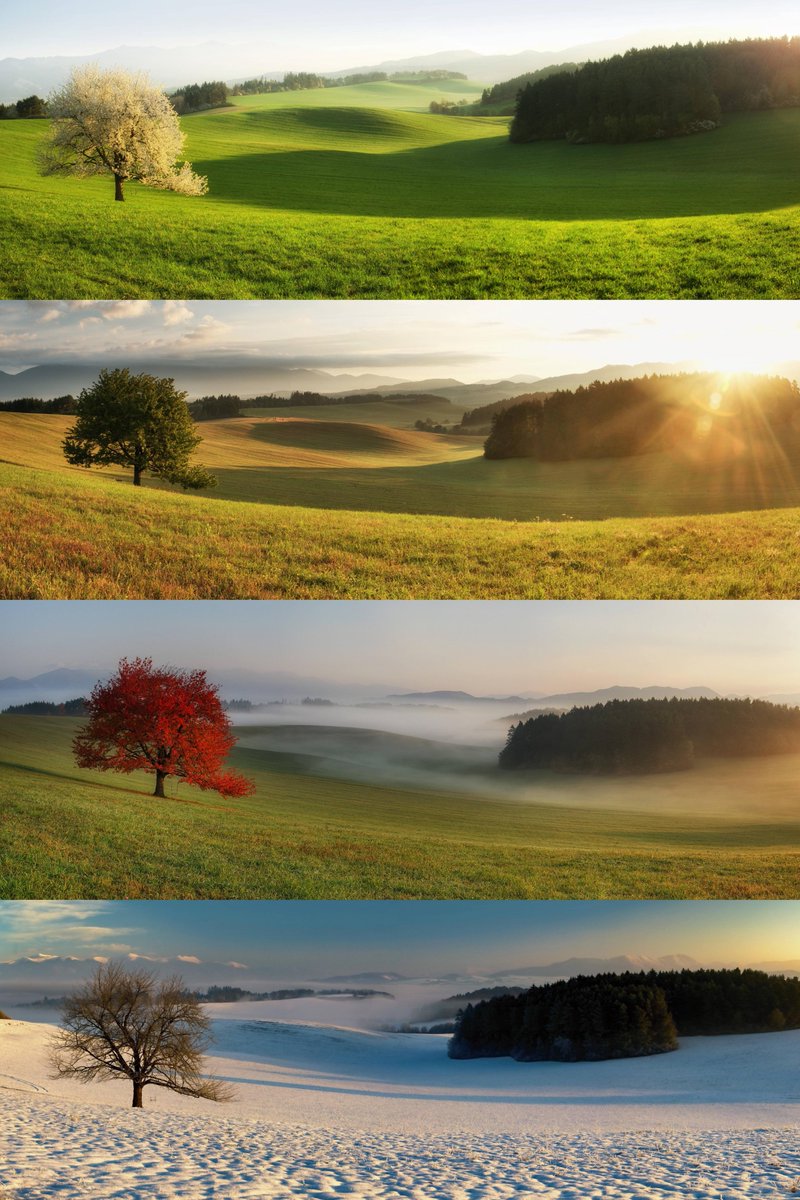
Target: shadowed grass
point(340, 193)
point(68, 834)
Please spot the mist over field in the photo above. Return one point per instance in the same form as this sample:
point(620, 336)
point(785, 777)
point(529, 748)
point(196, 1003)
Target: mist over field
point(474, 724)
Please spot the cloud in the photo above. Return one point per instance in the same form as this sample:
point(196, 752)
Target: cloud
point(591, 335)
point(23, 923)
point(123, 310)
point(176, 312)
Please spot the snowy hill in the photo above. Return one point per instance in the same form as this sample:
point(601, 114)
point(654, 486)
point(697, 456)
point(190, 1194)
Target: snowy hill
point(326, 1110)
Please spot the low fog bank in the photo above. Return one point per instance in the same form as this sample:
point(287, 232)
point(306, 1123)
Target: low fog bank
point(455, 751)
point(408, 1002)
point(470, 725)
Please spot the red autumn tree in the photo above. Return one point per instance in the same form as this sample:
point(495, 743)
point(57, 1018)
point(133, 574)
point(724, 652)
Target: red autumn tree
point(171, 722)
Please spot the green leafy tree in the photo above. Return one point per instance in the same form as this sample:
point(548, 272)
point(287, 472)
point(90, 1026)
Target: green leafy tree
point(31, 106)
point(137, 421)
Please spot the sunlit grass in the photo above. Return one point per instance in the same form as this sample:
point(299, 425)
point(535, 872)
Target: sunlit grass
point(70, 834)
point(85, 537)
point(343, 193)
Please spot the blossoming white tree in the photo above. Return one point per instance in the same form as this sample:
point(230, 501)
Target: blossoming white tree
point(118, 123)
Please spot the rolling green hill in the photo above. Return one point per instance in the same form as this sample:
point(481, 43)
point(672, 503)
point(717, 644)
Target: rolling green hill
point(71, 834)
point(310, 508)
point(348, 192)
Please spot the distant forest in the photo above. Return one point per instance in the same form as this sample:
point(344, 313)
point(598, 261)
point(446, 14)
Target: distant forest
point(502, 97)
point(218, 408)
point(479, 419)
point(660, 92)
point(647, 736)
point(47, 708)
point(625, 417)
point(597, 1017)
point(30, 404)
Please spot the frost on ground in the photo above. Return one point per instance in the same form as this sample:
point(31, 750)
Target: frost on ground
point(326, 1111)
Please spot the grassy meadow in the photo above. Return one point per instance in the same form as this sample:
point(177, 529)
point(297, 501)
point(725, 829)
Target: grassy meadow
point(321, 507)
point(68, 833)
point(360, 192)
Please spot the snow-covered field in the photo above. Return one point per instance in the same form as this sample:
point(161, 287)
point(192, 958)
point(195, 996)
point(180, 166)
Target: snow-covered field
point(328, 1110)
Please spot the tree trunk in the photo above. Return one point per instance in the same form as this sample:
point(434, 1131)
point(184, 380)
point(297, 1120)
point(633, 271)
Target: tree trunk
point(118, 188)
point(159, 788)
point(138, 1088)
point(137, 475)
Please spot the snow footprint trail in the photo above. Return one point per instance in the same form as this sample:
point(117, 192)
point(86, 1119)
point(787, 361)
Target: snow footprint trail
point(12, 1084)
point(59, 1150)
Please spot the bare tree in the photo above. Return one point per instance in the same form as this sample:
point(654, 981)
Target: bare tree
point(125, 1022)
point(113, 122)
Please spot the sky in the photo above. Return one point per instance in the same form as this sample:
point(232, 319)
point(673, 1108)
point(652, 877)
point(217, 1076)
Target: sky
point(312, 939)
point(320, 35)
point(411, 339)
point(484, 647)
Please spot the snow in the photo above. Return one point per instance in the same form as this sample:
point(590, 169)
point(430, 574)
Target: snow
point(326, 1110)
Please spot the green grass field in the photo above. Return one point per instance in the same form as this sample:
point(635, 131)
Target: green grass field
point(360, 192)
point(310, 508)
point(67, 834)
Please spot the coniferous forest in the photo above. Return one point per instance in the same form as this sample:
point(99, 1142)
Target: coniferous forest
point(660, 92)
point(625, 417)
point(590, 1018)
point(646, 736)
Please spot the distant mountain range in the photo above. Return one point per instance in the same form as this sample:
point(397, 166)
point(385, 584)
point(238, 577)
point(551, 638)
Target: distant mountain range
point(247, 379)
point(64, 683)
point(454, 698)
point(570, 967)
point(46, 974)
point(39, 975)
point(242, 378)
point(175, 66)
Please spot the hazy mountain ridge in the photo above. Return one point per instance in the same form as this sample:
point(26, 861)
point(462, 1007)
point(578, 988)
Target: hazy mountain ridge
point(175, 66)
point(48, 380)
point(38, 975)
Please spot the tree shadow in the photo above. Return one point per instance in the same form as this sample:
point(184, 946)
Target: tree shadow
point(488, 178)
point(607, 491)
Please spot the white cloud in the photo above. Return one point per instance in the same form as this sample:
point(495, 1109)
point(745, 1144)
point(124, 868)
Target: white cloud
point(176, 312)
point(122, 310)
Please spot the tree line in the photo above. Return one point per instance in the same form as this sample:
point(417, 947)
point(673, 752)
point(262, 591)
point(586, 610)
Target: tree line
point(30, 107)
point(480, 419)
point(195, 97)
point(218, 408)
point(660, 92)
point(294, 81)
point(48, 708)
point(646, 736)
point(625, 417)
point(501, 98)
point(30, 404)
point(625, 1015)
